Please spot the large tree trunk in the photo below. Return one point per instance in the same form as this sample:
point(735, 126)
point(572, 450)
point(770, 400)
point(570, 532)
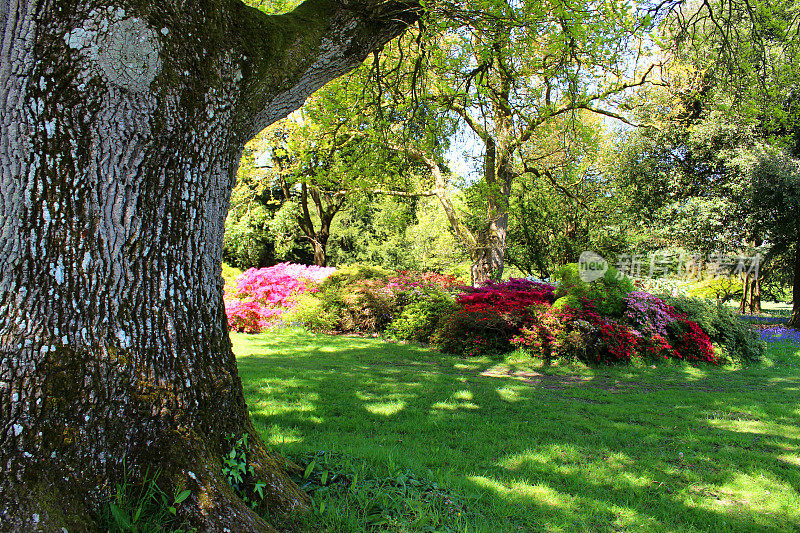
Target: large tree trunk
point(122, 128)
point(751, 294)
point(320, 242)
point(488, 259)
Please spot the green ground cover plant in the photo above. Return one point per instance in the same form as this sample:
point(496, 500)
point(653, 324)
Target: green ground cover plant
point(521, 447)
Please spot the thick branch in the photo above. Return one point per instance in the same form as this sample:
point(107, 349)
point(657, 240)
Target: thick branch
point(288, 57)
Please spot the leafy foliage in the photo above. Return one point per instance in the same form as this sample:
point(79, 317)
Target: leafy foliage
point(345, 491)
point(365, 299)
point(607, 293)
point(239, 472)
point(143, 507)
point(420, 319)
point(737, 341)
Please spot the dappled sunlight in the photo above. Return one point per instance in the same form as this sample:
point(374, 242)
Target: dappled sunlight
point(277, 436)
point(596, 467)
point(757, 427)
point(573, 449)
point(383, 404)
point(461, 399)
point(463, 395)
point(517, 491)
point(510, 393)
point(761, 494)
point(466, 366)
point(453, 405)
point(385, 408)
point(790, 459)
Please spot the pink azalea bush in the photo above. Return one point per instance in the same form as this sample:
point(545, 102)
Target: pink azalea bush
point(261, 296)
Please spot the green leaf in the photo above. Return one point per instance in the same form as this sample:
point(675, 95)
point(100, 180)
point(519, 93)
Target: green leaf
point(182, 496)
point(309, 469)
point(121, 517)
point(324, 478)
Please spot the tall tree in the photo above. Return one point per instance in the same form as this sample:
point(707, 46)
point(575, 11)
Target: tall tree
point(122, 127)
point(749, 53)
point(508, 68)
point(567, 203)
point(503, 71)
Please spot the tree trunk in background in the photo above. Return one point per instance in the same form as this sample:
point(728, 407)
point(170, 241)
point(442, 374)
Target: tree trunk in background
point(320, 242)
point(794, 322)
point(122, 128)
point(751, 294)
point(488, 258)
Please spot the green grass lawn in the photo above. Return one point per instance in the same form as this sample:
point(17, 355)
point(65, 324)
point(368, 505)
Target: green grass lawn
point(672, 448)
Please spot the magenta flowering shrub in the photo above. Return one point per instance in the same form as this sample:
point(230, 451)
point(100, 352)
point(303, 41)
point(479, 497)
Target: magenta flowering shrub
point(261, 296)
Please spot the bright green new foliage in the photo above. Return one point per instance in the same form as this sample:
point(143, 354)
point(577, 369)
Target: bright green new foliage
point(606, 294)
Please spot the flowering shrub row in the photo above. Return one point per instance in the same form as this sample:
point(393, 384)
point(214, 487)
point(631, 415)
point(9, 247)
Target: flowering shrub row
point(605, 322)
point(601, 322)
point(367, 299)
point(648, 328)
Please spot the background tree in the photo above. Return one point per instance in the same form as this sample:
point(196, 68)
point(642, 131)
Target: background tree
point(753, 72)
point(566, 202)
point(123, 126)
point(728, 87)
point(507, 69)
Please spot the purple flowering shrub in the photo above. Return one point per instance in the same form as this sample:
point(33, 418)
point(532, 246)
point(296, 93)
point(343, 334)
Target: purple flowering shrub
point(648, 314)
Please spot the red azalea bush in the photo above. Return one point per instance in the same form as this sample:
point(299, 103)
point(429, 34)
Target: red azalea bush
point(491, 315)
point(616, 342)
point(581, 333)
point(578, 333)
point(656, 347)
point(514, 297)
point(692, 343)
point(261, 296)
point(476, 330)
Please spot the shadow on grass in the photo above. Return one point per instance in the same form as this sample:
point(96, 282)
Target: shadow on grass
point(665, 448)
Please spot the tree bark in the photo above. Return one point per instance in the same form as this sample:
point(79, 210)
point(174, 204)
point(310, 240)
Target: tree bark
point(122, 128)
point(794, 322)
